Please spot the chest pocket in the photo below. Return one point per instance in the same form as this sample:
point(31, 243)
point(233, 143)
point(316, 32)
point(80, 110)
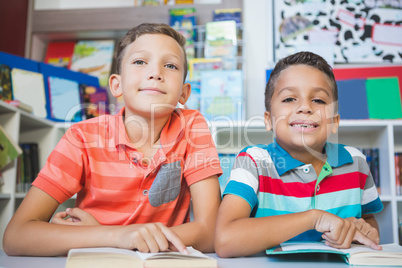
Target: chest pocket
point(166, 186)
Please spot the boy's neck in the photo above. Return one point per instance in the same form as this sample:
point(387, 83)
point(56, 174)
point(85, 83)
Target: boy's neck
point(145, 134)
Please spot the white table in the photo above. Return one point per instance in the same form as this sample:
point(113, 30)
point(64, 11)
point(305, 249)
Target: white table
point(255, 261)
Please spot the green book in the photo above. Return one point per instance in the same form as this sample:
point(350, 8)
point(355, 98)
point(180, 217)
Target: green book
point(9, 150)
point(383, 98)
point(390, 255)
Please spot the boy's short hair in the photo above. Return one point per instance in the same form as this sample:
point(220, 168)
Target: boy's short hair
point(149, 28)
point(306, 58)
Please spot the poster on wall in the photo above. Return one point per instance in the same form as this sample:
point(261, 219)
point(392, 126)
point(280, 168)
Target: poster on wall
point(354, 31)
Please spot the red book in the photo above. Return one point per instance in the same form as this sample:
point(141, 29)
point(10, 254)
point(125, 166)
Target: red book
point(60, 54)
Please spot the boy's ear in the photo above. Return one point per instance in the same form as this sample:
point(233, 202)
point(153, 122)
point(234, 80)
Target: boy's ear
point(267, 121)
point(114, 85)
point(185, 93)
point(335, 124)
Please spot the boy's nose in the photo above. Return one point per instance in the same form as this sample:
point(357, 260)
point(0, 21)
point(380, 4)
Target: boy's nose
point(156, 74)
point(304, 107)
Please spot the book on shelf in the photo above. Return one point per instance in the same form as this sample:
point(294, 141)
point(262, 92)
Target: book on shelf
point(65, 99)
point(398, 173)
point(28, 167)
point(222, 95)
point(373, 161)
point(35, 96)
point(94, 100)
point(184, 2)
point(352, 99)
point(94, 57)
point(390, 255)
point(221, 41)
point(384, 103)
point(62, 90)
point(114, 257)
point(9, 149)
point(184, 21)
point(6, 92)
point(198, 65)
point(60, 53)
point(227, 14)
point(20, 105)
point(193, 101)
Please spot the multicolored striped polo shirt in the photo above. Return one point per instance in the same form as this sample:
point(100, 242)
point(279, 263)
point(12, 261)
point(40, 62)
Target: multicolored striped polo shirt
point(116, 184)
point(274, 183)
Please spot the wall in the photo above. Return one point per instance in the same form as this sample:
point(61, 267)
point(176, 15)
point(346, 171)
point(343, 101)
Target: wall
point(13, 17)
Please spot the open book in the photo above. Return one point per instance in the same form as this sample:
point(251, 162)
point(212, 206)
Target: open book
point(114, 257)
point(391, 254)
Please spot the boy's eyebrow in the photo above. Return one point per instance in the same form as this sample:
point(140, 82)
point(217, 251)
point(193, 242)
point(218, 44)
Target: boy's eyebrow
point(146, 51)
point(317, 89)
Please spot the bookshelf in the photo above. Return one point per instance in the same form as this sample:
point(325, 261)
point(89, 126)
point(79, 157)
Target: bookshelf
point(103, 23)
point(229, 137)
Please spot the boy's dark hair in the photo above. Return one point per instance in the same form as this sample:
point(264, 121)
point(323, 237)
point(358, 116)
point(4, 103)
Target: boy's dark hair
point(149, 28)
point(306, 58)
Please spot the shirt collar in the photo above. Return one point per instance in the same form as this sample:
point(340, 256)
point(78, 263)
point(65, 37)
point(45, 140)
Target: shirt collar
point(337, 156)
point(171, 132)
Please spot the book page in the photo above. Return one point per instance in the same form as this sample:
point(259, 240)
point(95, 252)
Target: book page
point(102, 258)
point(193, 254)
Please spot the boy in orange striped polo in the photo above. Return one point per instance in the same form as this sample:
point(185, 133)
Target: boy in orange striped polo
point(135, 172)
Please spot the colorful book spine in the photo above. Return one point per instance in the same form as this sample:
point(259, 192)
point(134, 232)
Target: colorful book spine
point(184, 20)
point(6, 92)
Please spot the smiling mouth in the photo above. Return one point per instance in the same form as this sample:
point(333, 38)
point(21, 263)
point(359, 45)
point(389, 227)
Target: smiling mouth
point(155, 90)
point(304, 125)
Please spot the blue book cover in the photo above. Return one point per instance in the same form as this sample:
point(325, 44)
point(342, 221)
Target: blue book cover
point(50, 71)
point(222, 95)
point(193, 101)
point(65, 100)
point(352, 99)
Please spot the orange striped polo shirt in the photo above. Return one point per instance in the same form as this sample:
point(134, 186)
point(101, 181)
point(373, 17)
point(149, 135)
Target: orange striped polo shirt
point(96, 160)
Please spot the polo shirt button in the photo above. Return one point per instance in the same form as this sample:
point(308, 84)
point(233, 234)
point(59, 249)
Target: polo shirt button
point(135, 160)
point(318, 188)
point(306, 170)
point(145, 192)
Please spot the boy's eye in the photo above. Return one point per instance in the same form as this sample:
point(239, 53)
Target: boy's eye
point(320, 101)
point(171, 66)
point(139, 62)
point(288, 99)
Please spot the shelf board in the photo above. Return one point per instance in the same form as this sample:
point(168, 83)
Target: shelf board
point(5, 196)
point(114, 19)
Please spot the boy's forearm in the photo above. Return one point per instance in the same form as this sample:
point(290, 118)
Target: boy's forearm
point(38, 238)
point(198, 235)
point(249, 236)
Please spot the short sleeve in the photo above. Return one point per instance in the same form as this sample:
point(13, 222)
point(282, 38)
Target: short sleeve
point(371, 202)
point(61, 177)
point(244, 179)
point(201, 160)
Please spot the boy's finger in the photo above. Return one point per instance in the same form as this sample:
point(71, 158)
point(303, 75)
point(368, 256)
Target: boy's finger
point(366, 241)
point(173, 238)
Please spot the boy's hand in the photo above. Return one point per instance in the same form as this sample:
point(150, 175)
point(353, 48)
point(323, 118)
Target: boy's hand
point(340, 233)
point(366, 229)
point(150, 237)
point(74, 216)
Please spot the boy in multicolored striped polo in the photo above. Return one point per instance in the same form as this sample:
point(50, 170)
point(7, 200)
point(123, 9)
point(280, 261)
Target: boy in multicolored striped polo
point(134, 173)
point(300, 187)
